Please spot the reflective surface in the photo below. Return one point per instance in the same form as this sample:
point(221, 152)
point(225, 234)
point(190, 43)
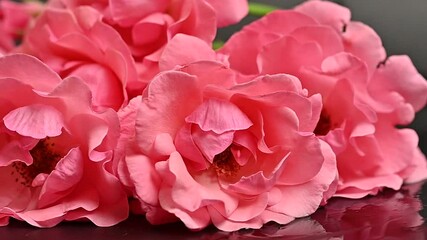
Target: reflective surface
point(390, 215)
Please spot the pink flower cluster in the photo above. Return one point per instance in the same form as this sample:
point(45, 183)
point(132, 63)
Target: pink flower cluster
point(105, 101)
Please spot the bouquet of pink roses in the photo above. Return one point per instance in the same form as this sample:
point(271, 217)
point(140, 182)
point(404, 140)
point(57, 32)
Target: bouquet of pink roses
point(111, 107)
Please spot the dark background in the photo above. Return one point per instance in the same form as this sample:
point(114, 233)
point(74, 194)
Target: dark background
point(402, 26)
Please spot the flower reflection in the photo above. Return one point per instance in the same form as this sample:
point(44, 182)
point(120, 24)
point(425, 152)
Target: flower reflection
point(391, 215)
point(299, 229)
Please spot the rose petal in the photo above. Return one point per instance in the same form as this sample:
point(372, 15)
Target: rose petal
point(173, 54)
point(186, 146)
point(106, 89)
point(245, 141)
point(259, 182)
point(225, 224)
point(399, 75)
point(148, 45)
point(359, 188)
point(36, 121)
point(303, 199)
point(419, 163)
point(36, 73)
point(325, 12)
point(74, 94)
point(92, 134)
point(249, 208)
point(12, 191)
point(144, 179)
point(304, 162)
point(196, 219)
point(219, 117)
point(242, 54)
point(210, 143)
point(279, 218)
point(127, 13)
point(176, 175)
point(113, 204)
point(211, 73)
point(326, 37)
point(229, 12)
point(364, 43)
point(287, 55)
point(170, 97)
point(269, 84)
point(12, 149)
point(188, 14)
point(67, 173)
point(282, 22)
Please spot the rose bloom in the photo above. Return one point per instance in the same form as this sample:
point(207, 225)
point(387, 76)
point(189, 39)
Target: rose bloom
point(15, 19)
point(55, 150)
point(205, 150)
point(364, 94)
point(77, 43)
point(147, 26)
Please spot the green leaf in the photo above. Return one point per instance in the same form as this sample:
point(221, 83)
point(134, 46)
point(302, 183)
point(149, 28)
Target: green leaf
point(260, 9)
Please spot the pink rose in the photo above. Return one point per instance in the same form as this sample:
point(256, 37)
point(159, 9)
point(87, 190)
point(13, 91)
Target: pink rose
point(147, 26)
point(364, 94)
point(205, 150)
point(55, 150)
point(15, 19)
point(77, 43)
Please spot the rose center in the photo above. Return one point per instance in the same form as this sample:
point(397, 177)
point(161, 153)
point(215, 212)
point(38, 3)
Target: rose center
point(324, 125)
point(225, 164)
point(44, 161)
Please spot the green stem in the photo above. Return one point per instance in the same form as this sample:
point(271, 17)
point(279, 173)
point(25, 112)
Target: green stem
point(217, 44)
point(260, 9)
